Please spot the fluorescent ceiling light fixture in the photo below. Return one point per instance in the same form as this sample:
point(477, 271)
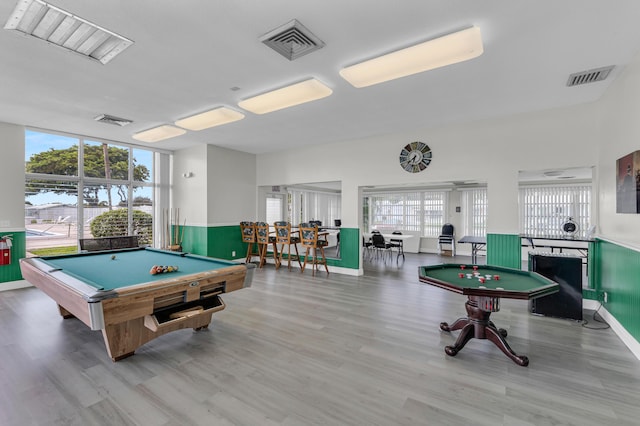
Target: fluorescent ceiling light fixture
point(449, 49)
point(296, 94)
point(159, 133)
point(212, 118)
point(56, 26)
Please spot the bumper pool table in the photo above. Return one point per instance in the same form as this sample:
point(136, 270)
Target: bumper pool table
point(484, 298)
point(115, 292)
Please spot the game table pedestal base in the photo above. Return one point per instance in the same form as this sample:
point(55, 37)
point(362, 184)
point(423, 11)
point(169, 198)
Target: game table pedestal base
point(478, 325)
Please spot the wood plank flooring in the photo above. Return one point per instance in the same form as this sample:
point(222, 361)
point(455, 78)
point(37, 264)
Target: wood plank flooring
point(325, 350)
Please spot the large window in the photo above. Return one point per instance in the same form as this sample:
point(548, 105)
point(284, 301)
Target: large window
point(421, 211)
point(307, 204)
point(543, 209)
point(77, 188)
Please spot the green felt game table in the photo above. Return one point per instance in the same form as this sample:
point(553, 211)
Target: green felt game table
point(115, 292)
point(483, 297)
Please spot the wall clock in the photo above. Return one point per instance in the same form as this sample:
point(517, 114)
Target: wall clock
point(415, 157)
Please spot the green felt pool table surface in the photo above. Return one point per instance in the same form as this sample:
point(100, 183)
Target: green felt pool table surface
point(130, 267)
point(512, 283)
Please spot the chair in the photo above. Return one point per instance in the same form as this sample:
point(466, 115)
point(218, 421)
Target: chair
point(284, 237)
point(248, 230)
point(311, 241)
point(381, 245)
point(366, 246)
point(264, 239)
point(447, 237)
point(397, 244)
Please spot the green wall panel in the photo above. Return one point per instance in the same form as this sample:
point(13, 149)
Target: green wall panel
point(349, 249)
point(617, 271)
point(194, 239)
point(223, 240)
point(18, 250)
point(504, 250)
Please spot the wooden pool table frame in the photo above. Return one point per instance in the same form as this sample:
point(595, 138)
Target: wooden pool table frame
point(128, 316)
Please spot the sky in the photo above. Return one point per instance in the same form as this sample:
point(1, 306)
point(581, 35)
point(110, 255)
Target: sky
point(36, 142)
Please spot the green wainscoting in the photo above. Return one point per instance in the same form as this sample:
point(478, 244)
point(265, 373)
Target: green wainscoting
point(18, 250)
point(617, 272)
point(504, 250)
point(222, 241)
point(350, 243)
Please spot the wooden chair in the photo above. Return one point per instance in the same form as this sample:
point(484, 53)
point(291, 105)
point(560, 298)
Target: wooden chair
point(248, 230)
point(284, 237)
point(311, 241)
point(264, 239)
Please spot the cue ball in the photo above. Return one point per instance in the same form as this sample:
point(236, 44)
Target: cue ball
point(113, 257)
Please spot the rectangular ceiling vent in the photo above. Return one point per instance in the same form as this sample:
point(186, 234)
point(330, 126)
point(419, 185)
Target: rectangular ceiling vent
point(292, 40)
point(46, 22)
point(590, 76)
point(110, 119)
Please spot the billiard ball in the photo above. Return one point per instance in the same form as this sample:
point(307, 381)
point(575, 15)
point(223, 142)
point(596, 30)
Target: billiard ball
point(463, 266)
point(113, 257)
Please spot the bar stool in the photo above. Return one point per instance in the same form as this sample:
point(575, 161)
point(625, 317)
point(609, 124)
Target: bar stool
point(264, 239)
point(310, 241)
point(248, 230)
point(284, 237)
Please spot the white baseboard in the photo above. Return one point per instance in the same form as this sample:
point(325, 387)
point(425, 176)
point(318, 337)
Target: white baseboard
point(14, 285)
point(621, 332)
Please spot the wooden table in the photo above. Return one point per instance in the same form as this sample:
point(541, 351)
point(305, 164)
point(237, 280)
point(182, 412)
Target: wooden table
point(484, 298)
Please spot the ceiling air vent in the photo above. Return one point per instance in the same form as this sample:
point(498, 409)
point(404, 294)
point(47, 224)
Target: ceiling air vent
point(590, 76)
point(292, 40)
point(110, 119)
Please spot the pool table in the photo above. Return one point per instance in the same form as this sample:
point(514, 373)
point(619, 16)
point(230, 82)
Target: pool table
point(115, 292)
point(484, 298)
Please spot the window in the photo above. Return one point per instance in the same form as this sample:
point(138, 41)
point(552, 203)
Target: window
point(474, 210)
point(274, 208)
point(306, 205)
point(78, 188)
point(421, 211)
point(544, 208)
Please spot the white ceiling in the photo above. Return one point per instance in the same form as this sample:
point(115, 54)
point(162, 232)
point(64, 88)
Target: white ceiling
point(188, 55)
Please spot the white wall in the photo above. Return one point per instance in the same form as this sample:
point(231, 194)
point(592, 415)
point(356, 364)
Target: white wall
point(12, 178)
point(620, 135)
point(190, 194)
point(232, 192)
point(491, 151)
point(221, 188)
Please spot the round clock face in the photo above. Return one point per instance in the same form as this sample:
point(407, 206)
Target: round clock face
point(415, 157)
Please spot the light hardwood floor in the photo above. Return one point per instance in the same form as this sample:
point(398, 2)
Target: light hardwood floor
point(301, 350)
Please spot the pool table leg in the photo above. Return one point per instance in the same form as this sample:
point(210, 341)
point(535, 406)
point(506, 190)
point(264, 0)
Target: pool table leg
point(64, 313)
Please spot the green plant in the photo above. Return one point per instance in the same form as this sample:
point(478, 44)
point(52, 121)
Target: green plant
point(114, 223)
